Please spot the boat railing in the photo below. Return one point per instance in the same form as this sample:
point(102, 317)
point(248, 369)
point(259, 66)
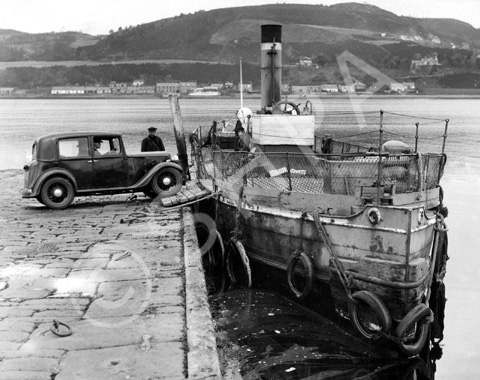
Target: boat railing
point(323, 174)
point(322, 145)
point(330, 167)
point(359, 129)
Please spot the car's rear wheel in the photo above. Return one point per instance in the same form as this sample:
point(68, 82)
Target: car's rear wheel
point(57, 193)
point(167, 182)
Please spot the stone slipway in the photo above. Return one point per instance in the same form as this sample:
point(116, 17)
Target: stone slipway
point(125, 277)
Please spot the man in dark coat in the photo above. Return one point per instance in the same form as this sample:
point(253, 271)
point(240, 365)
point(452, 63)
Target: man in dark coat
point(152, 143)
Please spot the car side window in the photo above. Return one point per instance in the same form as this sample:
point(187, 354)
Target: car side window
point(110, 146)
point(73, 147)
point(33, 155)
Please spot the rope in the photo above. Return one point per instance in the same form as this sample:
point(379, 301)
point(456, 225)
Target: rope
point(135, 217)
point(440, 227)
point(344, 279)
point(237, 232)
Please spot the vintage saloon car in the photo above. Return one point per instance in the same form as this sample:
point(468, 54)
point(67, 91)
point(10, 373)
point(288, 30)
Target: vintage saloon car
point(65, 165)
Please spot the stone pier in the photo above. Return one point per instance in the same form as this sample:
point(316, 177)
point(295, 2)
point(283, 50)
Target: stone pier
point(121, 277)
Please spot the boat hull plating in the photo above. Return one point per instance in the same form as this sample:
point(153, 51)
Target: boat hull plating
point(390, 258)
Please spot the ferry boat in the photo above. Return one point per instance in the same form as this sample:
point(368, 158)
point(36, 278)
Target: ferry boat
point(367, 221)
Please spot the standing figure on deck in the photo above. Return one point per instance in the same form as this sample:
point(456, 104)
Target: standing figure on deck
point(152, 143)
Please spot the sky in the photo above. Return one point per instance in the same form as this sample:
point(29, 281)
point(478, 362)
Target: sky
point(100, 16)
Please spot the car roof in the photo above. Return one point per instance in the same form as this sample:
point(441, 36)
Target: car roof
point(75, 134)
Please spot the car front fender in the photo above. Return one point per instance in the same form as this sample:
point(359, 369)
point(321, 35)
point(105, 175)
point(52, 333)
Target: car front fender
point(147, 177)
point(56, 171)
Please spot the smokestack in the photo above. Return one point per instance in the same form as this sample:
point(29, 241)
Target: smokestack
point(271, 64)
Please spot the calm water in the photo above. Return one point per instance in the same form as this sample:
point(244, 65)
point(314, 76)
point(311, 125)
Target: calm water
point(22, 120)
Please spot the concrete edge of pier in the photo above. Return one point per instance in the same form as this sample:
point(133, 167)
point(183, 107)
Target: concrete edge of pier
point(202, 358)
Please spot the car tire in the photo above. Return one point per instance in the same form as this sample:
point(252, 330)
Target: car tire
point(149, 193)
point(57, 193)
point(167, 182)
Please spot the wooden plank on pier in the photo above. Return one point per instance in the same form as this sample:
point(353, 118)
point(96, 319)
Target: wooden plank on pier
point(191, 196)
point(189, 193)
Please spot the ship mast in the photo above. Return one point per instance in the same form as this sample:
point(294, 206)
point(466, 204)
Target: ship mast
point(241, 84)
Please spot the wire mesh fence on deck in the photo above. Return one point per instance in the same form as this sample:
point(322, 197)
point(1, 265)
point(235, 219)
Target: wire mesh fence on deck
point(336, 167)
point(331, 174)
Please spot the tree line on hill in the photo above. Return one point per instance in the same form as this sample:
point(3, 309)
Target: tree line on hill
point(151, 73)
point(204, 74)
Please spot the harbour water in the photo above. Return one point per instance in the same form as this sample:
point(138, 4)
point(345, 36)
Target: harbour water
point(22, 120)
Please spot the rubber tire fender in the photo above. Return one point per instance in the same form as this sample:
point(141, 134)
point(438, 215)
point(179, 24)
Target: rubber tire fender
point(220, 240)
point(245, 261)
point(418, 315)
point(222, 247)
point(308, 265)
point(377, 306)
point(217, 237)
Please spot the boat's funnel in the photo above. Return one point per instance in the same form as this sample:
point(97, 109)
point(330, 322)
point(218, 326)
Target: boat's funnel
point(271, 65)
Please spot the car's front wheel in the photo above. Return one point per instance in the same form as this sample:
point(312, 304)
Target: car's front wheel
point(57, 193)
point(167, 182)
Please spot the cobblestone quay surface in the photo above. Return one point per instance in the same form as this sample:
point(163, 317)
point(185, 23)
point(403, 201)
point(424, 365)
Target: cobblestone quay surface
point(128, 286)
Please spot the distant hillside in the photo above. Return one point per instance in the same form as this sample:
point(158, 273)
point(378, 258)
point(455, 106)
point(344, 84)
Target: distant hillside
point(378, 37)
point(19, 46)
point(222, 35)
